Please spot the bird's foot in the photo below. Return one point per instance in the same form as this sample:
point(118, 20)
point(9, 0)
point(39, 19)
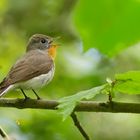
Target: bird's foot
point(26, 98)
point(38, 98)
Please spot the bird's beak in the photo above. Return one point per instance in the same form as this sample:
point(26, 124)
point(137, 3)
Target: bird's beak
point(54, 43)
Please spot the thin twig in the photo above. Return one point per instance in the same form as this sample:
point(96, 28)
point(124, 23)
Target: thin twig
point(79, 127)
point(3, 134)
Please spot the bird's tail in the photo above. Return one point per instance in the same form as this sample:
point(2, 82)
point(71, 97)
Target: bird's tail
point(3, 91)
point(4, 87)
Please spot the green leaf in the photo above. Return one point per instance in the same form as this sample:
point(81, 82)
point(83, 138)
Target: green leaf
point(67, 104)
point(128, 82)
point(131, 75)
point(128, 87)
point(108, 25)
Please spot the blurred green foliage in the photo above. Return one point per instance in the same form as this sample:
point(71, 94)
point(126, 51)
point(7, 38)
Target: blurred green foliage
point(101, 28)
point(128, 82)
point(109, 25)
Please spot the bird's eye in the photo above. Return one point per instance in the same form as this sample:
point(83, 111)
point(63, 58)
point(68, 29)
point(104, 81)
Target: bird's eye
point(43, 41)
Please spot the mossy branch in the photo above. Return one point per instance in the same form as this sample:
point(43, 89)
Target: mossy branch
point(83, 106)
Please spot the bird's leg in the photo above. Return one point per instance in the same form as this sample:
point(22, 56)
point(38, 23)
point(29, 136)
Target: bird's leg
point(38, 98)
point(26, 97)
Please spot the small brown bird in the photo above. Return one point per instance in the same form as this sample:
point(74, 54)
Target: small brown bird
point(35, 69)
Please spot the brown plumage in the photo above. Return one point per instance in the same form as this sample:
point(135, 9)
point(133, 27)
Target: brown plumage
point(37, 61)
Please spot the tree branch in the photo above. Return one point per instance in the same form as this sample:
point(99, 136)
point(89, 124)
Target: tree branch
point(83, 106)
point(79, 127)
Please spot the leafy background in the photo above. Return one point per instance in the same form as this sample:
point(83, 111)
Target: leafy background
point(98, 39)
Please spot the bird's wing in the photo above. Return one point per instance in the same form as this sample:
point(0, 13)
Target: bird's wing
point(33, 64)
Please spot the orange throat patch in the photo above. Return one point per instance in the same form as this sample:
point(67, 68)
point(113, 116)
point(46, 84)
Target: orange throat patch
point(52, 51)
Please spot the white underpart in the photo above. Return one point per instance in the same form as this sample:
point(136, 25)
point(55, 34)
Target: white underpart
point(36, 82)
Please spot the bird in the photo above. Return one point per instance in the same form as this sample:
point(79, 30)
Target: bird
point(34, 69)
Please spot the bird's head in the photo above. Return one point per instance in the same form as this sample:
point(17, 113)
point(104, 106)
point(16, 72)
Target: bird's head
point(42, 42)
